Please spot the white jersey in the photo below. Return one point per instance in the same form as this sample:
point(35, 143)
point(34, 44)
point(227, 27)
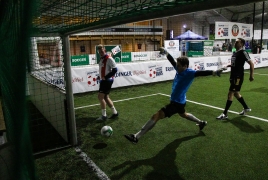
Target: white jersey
point(106, 64)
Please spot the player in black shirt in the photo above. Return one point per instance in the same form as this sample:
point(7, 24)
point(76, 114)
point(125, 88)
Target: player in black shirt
point(237, 77)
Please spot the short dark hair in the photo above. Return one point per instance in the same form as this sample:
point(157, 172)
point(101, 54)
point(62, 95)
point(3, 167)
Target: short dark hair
point(183, 61)
point(242, 41)
point(100, 46)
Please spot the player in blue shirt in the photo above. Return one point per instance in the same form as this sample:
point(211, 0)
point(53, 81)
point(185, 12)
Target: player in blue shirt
point(181, 83)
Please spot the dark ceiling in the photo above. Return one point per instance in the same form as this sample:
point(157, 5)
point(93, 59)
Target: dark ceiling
point(73, 16)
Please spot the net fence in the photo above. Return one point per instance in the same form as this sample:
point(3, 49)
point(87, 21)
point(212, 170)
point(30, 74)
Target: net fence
point(33, 74)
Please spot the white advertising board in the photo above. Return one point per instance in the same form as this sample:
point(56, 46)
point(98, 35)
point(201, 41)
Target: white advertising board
point(232, 30)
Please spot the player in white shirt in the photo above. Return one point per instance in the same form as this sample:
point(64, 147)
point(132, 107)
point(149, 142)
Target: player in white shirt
point(107, 70)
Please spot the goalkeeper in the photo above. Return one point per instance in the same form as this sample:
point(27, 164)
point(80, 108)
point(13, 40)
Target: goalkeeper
point(181, 83)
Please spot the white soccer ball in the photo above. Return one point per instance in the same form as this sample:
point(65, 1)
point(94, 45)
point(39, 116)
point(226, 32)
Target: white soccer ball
point(106, 131)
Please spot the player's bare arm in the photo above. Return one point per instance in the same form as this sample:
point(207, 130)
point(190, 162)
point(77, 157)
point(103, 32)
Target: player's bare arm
point(251, 66)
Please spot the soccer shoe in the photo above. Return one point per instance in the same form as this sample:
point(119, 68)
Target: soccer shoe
point(101, 118)
point(222, 117)
point(163, 51)
point(218, 72)
point(244, 112)
point(202, 125)
point(131, 138)
point(114, 116)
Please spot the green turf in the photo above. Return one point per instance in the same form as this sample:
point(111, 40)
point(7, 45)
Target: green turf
point(174, 148)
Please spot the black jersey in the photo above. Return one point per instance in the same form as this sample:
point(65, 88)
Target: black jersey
point(237, 63)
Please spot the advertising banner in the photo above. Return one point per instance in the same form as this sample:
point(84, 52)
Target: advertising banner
point(232, 30)
point(208, 47)
point(257, 34)
point(80, 60)
point(140, 56)
point(92, 59)
point(172, 45)
point(84, 79)
point(126, 57)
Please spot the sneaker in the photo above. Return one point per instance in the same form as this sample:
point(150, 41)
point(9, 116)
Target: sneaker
point(222, 117)
point(244, 112)
point(163, 51)
point(131, 138)
point(202, 125)
point(114, 116)
point(101, 118)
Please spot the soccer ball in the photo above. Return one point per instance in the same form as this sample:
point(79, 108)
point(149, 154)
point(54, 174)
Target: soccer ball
point(106, 131)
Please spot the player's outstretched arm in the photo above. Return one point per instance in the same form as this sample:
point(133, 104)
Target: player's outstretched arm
point(210, 72)
point(163, 51)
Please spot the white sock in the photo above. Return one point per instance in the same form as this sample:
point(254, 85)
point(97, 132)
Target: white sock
point(114, 110)
point(193, 118)
point(149, 125)
point(103, 112)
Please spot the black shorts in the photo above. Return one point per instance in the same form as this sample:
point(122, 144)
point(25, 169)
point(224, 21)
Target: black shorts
point(236, 83)
point(105, 86)
point(173, 108)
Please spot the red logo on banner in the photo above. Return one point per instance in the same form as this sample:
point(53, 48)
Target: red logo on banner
point(235, 30)
point(171, 43)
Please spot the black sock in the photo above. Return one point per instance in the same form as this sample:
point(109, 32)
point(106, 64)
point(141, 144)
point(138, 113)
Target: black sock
point(242, 101)
point(227, 106)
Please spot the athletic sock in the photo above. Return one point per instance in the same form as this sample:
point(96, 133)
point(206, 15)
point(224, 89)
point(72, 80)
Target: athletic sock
point(242, 101)
point(149, 125)
point(103, 112)
point(227, 106)
point(114, 110)
point(193, 118)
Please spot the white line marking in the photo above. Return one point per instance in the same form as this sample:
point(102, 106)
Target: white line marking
point(214, 107)
point(253, 117)
point(91, 164)
point(118, 100)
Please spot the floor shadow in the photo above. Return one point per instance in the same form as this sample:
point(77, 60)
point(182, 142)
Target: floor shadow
point(163, 164)
point(244, 125)
point(44, 136)
point(100, 146)
point(259, 90)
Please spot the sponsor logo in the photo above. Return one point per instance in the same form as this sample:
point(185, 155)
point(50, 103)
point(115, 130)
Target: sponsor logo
point(171, 47)
point(119, 74)
point(223, 31)
point(159, 71)
point(140, 55)
point(199, 66)
point(151, 66)
point(213, 64)
point(77, 79)
point(125, 56)
point(154, 72)
point(92, 72)
point(171, 43)
point(55, 81)
point(235, 30)
point(264, 59)
point(158, 55)
point(257, 60)
point(79, 60)
point(138, 72)
point(117, 59)
point(170, 68)
point(92, 78)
